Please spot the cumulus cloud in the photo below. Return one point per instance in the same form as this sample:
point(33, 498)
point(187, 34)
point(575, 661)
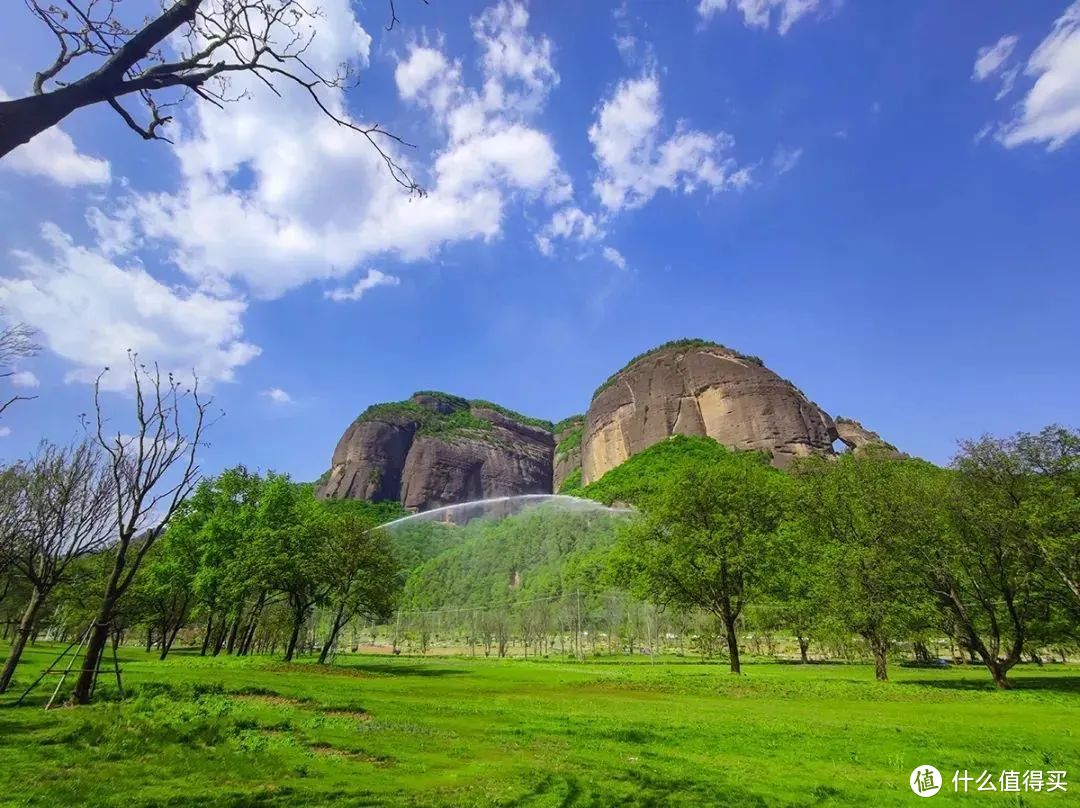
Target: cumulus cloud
point(614, 256)
point(373, 278)
point(1050, 111)
point(53, 155)
point(761, 13)
point(25, 378)
point(635, 160)
point(90, 311)
point(274, 194)
point(569, 223)
point(278, 396)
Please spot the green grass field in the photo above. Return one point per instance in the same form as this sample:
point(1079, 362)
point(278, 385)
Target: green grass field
point(451, 731)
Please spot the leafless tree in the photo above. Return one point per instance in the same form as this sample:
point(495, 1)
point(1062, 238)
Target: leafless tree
point(12, 516)
point(61, 512)
point(192, 47)
point(154, 469)
point(16, 342)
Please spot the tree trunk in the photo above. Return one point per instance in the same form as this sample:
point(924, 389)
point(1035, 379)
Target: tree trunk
point(206, 637)
point(231, 644)
point(26, 625)
point(249, 636)
point(879, 649)
point(168, 639)
point(297, 623)
point(804, 646)
point(339, 621)
point(99, 635)
point(732, 644)
point(219, 641)
point(998, 671)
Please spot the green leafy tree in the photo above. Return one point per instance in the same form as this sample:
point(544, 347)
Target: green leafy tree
point(1051, 460)
point(215, 532)
point(293, 529)
point(791, 596)
point(701, 538)
point(988, 565)
point(860, 515)
point(361, 572)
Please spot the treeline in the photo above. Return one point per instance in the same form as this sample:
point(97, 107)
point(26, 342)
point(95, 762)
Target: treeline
point(245, 562)
point(892, 550)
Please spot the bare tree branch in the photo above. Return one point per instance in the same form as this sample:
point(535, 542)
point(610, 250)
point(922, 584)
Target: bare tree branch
point(208, 40)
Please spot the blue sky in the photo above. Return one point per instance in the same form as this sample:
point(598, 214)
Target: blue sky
point(880, 200)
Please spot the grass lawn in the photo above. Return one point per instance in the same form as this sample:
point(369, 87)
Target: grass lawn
point(450, 731)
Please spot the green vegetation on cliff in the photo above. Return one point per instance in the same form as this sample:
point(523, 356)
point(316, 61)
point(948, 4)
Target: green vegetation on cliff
point(460, 419)
point(566, 423)
point(677, 345)
point(571, 486)
point(513, 415)
point(572, 440)
point(643, 473)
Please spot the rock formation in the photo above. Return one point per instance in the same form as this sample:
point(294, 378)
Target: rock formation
point(858, 438)
point(692, 387)
point(567, 460)
point(436, 449)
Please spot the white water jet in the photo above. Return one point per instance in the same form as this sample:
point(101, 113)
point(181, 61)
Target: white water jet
point(464, 512)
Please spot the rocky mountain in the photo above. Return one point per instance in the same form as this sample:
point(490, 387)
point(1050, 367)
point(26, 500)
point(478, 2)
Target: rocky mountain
point(437, 449)
point(693, 387)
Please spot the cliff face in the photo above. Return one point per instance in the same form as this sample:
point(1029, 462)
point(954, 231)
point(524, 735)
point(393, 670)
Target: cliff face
point(567, 459)
point(698, 388)
point(436, 449)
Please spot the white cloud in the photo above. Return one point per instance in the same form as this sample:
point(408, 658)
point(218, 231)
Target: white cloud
point(992, 58)
point(25, 378)
point(635, 161)
point(614, 256)
point(569, 223)
point(1050, 112)
point(760, 13)
point(278, 396)
point(373, 278)
point(53, 155)
point(5, 431)
point(275, 195)
point(517, 66)
point(90, 310)
point(786, 159)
